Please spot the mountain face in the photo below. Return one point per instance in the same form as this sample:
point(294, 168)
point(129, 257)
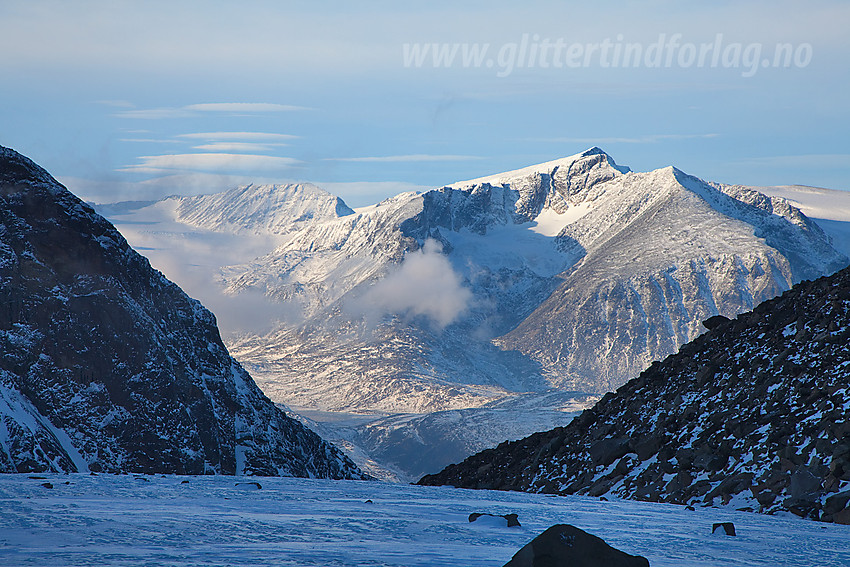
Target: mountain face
point(754, 414)
point(108, 366)
point(554, 283)
point(581, 274)
point(662, 252)
point(273, 209)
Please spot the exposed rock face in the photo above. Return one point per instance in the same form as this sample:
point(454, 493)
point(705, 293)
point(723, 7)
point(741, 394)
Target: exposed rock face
point(754, 414)
point(105, 365)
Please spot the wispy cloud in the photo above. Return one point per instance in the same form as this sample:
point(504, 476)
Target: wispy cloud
point(243, 107)
point(237, 147)
point(406, 158)
point(425, 284)
point(210, 162)
point(198, 109)
point(236, 136)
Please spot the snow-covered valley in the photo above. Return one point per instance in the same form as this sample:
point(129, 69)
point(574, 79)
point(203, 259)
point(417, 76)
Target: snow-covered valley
point(220, 520)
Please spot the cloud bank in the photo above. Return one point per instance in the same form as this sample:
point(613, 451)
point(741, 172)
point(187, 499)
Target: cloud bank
point(423, 285)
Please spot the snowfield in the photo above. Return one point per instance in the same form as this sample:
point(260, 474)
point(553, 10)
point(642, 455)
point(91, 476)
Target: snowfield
point(223, 520)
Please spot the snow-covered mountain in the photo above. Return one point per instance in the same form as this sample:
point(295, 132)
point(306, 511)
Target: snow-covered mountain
point(252, 209)
point(830, 208)
point(588, 272)
point(274, 209)
point(105, 365)
point(571, 276)
point(754, 414)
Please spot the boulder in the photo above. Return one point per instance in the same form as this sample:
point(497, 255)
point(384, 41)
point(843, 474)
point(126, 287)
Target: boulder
point(806, 484)
point(563, 544)
point(606, 451)
point(836, 502)
point(512, 520)
point(713, 322)
point(727, 527)
point(842, 517)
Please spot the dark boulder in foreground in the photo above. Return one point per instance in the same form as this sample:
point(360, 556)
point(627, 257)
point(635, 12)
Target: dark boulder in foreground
point(105, 365)
point(568, 546)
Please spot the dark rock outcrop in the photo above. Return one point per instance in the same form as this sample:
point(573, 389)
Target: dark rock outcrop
point(105, 365)
point(564, 544)
point(753, 414)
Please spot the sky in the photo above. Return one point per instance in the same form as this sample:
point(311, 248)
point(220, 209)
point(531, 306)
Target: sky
point(135, 101)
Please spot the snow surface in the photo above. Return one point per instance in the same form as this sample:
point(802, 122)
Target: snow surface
point(550, 222)
point(220, 520)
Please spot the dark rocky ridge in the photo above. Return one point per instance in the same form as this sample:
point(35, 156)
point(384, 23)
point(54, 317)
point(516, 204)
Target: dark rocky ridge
point(108, 366)
point(753, 414)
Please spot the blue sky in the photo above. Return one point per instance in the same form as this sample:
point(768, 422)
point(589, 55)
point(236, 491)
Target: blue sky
point(124, 100)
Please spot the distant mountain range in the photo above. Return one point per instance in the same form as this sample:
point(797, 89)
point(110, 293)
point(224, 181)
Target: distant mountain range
point(754, 414)
point(432, 325)
point(105, 365)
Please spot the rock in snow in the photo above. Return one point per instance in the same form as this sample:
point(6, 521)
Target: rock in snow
point(510, 520)
point(564, 544)
point(105, 365)
point(754, 414)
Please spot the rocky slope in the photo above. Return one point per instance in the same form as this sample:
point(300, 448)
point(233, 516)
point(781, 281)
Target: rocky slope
point(108, 366)
point(754, 414)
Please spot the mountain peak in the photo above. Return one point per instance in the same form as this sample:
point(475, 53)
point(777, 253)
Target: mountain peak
point(587, 159)
point(595, 151)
